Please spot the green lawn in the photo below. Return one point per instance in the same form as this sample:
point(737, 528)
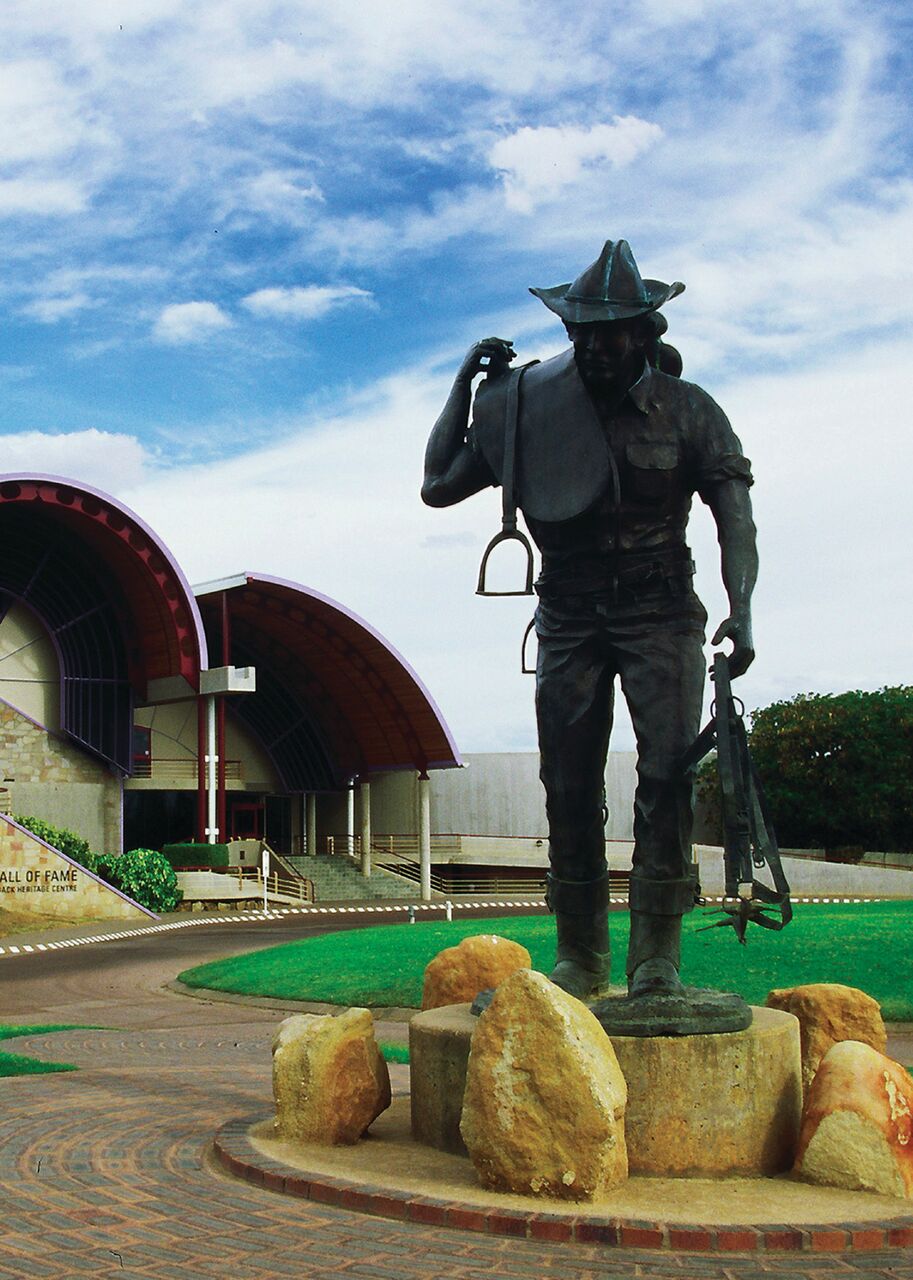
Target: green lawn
point(15, 1064)
point(863, 945)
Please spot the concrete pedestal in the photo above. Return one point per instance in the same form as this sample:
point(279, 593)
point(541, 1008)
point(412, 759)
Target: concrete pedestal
point(698, 1106)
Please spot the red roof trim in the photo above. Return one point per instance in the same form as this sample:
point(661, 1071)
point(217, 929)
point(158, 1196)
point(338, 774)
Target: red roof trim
point(177, 616)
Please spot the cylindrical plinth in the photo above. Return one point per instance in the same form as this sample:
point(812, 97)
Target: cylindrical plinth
point(698, 1106)
point(438, 1054)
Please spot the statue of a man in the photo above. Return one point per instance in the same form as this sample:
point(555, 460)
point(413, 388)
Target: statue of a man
point(609, 452)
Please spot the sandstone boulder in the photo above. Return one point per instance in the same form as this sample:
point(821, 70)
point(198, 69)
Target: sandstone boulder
point(329, 1078)
point(457, 974)
point(857, 1128)
point(829, 1013)
point(543, 1111)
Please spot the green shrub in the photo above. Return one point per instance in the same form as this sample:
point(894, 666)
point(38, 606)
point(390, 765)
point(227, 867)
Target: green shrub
point(836, 768)
point(197, 855)
point(61, 838)
point(146, 876)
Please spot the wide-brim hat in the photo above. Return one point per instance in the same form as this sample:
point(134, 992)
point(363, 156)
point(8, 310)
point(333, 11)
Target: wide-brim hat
point(611, 288)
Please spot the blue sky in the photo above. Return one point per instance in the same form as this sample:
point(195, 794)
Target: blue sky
point(246, 244)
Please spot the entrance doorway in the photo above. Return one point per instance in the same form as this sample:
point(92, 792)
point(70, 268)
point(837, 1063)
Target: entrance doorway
point(247, 821)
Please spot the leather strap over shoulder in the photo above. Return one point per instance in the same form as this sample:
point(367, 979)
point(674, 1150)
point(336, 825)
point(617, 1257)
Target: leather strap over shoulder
point(509, 531)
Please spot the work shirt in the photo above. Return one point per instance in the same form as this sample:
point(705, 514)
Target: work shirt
point(666, 441)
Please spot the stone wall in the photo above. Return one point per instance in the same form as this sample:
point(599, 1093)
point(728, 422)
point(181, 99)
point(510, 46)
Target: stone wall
point(51, 778)
point(34, 878)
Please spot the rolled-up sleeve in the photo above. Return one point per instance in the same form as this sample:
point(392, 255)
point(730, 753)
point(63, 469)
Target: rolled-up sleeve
point(716, 451)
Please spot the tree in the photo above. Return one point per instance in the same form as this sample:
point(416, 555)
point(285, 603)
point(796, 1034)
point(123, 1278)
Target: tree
point(838, 768)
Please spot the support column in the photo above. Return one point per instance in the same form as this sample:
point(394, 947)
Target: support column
point(364, 794)
point(424, 834)
point(212, 787)
point(350, 820)
point(311, 824)
point(221, 803)
point(201, 770)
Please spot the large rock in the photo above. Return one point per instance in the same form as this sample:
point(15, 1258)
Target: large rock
point(329, 1078)
point(829, 1013)
point(857, 1126)
point(543, 1112)
point(457, 974)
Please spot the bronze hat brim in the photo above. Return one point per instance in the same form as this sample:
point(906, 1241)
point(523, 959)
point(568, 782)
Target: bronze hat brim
point(592, 310)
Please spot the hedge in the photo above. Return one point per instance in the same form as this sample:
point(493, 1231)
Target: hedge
point(214, 856)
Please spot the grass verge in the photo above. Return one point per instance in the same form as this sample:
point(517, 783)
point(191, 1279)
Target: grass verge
point(394, 1052)
point(16, 1064)
point(860, 944)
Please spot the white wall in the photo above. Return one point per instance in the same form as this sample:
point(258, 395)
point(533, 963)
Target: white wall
point(498, 794)
point(29, 670)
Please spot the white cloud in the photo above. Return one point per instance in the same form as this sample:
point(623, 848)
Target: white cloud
point(189, 322)
point(51, 196)
point(50, 310)
point(285, 195)
point(305, 302)
point(536, 164)
point(104, 459)
point(40, 116)
point(834, 533)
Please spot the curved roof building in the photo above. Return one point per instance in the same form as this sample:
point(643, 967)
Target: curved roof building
point(115, 677)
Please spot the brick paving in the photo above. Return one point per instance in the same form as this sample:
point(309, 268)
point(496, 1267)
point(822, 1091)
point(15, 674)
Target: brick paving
point(108, 1171)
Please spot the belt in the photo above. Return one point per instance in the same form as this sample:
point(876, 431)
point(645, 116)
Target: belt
point(660, 567)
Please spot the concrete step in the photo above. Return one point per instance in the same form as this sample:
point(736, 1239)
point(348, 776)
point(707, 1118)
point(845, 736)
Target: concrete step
point(336, 879)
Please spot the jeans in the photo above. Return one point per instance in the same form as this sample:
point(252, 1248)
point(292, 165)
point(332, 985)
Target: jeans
point(652, 640)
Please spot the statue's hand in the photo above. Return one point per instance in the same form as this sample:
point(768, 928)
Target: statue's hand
point(737, 628)
point(491, 354)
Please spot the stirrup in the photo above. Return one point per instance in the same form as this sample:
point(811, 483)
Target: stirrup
point(507, 535)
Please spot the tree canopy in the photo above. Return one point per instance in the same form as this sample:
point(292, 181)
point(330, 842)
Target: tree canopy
point(838, 768)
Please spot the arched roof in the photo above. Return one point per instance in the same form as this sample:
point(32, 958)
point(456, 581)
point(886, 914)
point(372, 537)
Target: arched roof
point(113, 598)
point(334, 699)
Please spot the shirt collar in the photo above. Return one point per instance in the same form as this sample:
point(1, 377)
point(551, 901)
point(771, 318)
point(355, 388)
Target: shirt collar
point(640, 393)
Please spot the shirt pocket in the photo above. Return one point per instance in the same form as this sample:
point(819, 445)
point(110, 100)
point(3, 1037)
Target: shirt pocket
point(651, 466)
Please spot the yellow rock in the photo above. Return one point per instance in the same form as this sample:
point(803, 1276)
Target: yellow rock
point(457, 974)
point(329, 1078)
point(543, 1112)
point(828, 1013)
point(858, 1123)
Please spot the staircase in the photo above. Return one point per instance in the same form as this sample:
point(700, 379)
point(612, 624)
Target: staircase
point(337, 879)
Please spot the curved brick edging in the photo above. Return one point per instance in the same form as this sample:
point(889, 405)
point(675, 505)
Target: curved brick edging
point(237, 1154)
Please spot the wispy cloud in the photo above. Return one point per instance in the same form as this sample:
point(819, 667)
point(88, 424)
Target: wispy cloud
point(43, 197)
point(537, 164)
point(303, 302)
point(51, 309)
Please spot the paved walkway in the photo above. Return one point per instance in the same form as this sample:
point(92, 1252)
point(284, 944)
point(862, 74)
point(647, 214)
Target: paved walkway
point(107, 1172)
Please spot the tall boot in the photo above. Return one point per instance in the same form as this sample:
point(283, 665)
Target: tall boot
point(582, 920)
point(654, 955)
point(654, 952)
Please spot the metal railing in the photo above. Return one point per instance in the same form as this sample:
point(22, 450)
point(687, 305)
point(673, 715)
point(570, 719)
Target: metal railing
point(488, 880)
point(288, 887)
point(178, 768)
point(394, 847)
point(400, 855)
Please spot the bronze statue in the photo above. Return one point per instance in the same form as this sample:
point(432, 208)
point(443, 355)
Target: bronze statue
point(602, 449)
